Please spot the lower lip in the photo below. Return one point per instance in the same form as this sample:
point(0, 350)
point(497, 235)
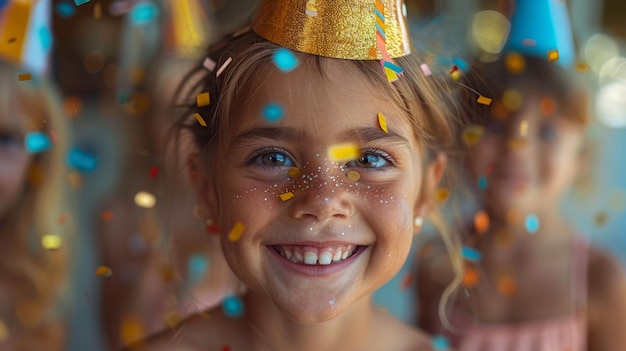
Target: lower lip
point(317, 270)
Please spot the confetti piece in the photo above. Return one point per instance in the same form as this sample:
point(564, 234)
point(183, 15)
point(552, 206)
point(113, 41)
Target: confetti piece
point(483, 100)
point(145, 199)
point(353, 176)
point(75, 179)
point(154, 172)
point(200, 120)
point(82, 160)
point(273, 112)
point(203, 99)
point(547, 106)
point(516, 143)
point(137, 104)
point(344, 152)
point(507, 285)
point(132, 329)
point(51, 242)
point(4, 330)
point(601, 219)
point(72, 106)
point(97, 11)
point(14, 29)
point(45, 37)
point(582, 67)
point(294, 172)
point(440, 343)
point(209, 64)
point(382, 122)
point(106, 216)
point(104, 271)
point(143, 13)
point(471, 254)
point(223, 67)
point(553, 55)
point(523, 127)
point(197, 268)
point(285, 60)
point(232, 306)
point(481, 222)
point(512, 100)
point(441, 195)
point(461, 64)
point(531, 223)
point(482, 182)
point(311, 9)
point(37, 142)
point(514, 63)
point(287, 196)
point(24, 77)
point(472, 135)
point(80, 2)
point(529, 42)
point(470, 277)
point(426, 70)
point(392, 66)
point(236, 232)
point(392, 76)
point(65, 9)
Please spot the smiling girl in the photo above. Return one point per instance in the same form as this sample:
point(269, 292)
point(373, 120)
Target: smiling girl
point(317, 171)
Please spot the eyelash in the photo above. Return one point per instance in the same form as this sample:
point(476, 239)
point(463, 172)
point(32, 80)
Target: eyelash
point(251, 161)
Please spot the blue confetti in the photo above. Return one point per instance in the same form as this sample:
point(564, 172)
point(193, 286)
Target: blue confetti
point(273, 112)
point(65, 9)
point(461, 64)
point(80, 2)
point(532, 223)
point(232, 306)
point(45, 37)
point(471, 254)
point(143, 13)
point(440, 343)
point(37, 142)
point(482, 182)
point(82, 160)
point(197, 268)
point(285, 60)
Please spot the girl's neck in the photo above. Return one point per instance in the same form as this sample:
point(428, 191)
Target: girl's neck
point(269, 328)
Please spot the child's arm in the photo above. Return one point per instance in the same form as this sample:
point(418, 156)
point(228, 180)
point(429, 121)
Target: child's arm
point(607, 303)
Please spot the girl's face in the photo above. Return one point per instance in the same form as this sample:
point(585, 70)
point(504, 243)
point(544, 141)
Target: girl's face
point(14, 158)
point(338, 238)
point(527, 159)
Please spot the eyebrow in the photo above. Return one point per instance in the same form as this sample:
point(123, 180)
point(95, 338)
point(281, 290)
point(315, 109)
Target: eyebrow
point(364, 135)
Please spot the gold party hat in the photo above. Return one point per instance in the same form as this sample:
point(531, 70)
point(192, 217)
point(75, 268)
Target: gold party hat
point(346, 29)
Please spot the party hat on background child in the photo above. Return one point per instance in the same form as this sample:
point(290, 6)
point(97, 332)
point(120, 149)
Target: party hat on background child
point(542, 28)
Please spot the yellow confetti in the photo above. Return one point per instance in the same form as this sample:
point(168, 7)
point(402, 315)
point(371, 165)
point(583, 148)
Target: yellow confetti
point(294, 172)
point(51, 242)
point(23, 77)
point(137, 104)
point(132, 329)
point(13, 35)
point(286, 196)
point(512, 100)
point(582, 67)
point(441, 195)
point(236, 232)
point(97, 11)
point(344, 152)
point(472, 135)
point(145, 199)
point(515, 63)
point(353, 176)
point(4, 331)
point(516, 143)
point(382, 122)
point(456, 75)
point(553, 55)
point(392, 76)
point(523, 127)
point(199, 119)
point(104, 271)
point(203, 99)
point(483, 100)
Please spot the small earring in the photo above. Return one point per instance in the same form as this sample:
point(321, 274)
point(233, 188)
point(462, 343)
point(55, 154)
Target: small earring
point(419, 221)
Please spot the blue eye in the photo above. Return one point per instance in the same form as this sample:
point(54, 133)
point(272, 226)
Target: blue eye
point(272, 158)
point(369, 160)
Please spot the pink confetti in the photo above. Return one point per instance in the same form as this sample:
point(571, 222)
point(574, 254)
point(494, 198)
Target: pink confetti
point(209, 64)
point(219, 71)
point(426, 69)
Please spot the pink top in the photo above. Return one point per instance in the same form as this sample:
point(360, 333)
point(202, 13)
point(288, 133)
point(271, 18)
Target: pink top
point(568, 332)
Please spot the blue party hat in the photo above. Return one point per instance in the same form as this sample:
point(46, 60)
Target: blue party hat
point(542, 28)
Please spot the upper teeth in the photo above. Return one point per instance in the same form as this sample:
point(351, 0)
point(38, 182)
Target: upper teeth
point(311, 255)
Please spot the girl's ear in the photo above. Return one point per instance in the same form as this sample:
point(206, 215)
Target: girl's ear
point(432, 176)
point(202, 186)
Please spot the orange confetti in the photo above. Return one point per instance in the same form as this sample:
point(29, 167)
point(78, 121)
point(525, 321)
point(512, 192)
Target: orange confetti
point(199, 119)
point(515, 63)
point(236, 232)
point(353, 176)
point(547, 106)
point(72, 106)
point(203, 99)
point(481, 222)
point(107, 216)
point(499, 111)
point(441, 195)
point(382, 122)
point(483, 100)
point(582, 67)
point(132, 329)
point(553, 55)
point(470, 277)
point(507, 285)
point(24, 76)
point(286, 196)
point(104, 271)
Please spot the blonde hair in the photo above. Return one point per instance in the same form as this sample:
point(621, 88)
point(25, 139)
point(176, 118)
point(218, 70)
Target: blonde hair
point(426, 99)
point(38, 272)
